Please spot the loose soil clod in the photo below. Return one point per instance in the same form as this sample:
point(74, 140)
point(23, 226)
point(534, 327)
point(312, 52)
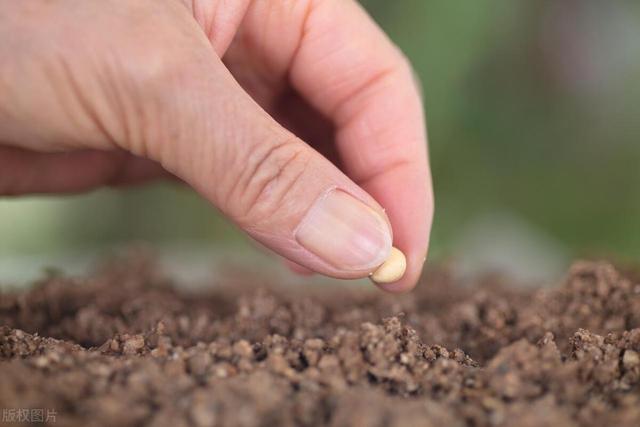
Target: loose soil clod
point(124, 348)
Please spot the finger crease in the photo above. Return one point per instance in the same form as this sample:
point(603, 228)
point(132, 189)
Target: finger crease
point(367, 85)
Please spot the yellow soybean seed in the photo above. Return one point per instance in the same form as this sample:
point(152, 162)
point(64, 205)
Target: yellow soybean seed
point(392, 269)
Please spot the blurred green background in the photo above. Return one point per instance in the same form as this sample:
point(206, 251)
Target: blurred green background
point(533, 114)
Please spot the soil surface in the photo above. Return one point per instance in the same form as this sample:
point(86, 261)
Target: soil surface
point(124, 348)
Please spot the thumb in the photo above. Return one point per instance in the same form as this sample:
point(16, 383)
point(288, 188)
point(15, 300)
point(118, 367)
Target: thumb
point(274, 186)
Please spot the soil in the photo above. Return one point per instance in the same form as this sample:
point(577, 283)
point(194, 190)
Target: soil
point(124, 347)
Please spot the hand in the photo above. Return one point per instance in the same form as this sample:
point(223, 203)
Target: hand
point(298, 119)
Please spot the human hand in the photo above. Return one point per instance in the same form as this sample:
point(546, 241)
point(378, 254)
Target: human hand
point(298, 119)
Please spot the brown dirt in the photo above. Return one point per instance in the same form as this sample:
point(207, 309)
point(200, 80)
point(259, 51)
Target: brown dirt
point(123, 347)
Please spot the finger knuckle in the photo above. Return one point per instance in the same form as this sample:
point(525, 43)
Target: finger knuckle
point(164, 87)
point(157, 76)
point(270, 173)
point(165, 51)
point(154, 67)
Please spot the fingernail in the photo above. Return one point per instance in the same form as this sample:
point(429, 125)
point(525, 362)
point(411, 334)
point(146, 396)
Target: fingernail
point(345, 232)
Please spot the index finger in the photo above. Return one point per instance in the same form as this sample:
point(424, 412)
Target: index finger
point(350, 71)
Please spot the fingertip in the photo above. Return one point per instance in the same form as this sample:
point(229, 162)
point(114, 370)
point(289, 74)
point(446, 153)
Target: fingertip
point(410, 278)
point(410, 211)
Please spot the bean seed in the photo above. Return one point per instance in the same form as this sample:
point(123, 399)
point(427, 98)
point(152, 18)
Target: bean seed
point(392, 269)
